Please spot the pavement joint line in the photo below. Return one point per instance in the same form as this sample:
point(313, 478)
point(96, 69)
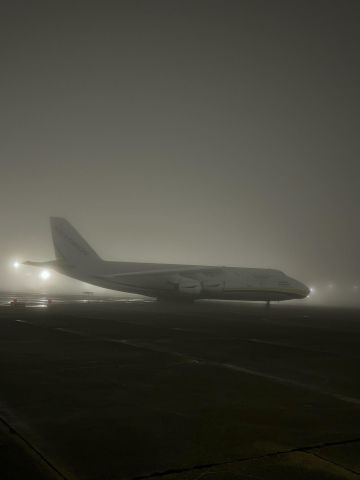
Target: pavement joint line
point(309, 452)
point(35, 451)
point(305, 449)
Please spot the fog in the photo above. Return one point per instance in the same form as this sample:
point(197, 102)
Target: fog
point(199, 132)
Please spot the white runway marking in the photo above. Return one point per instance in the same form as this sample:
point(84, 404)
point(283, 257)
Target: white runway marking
point(114, 340)
point(257, 373)
point(200, 361)
point(285, 381)
point(299, 347)
point(141, 346)
point(73, 332)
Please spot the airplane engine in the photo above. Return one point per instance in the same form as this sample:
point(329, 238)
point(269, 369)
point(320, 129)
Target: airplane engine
point(189, 287)
point(215, 287)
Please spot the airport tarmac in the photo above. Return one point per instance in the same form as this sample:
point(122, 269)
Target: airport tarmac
point(145, 390)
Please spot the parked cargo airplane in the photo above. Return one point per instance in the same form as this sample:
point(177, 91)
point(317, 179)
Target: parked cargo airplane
point(75, 258)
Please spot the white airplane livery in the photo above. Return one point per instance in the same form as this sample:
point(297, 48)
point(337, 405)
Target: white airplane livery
point(76, 258)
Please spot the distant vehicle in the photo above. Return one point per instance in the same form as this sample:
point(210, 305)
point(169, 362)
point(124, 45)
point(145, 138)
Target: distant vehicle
point(75, 258)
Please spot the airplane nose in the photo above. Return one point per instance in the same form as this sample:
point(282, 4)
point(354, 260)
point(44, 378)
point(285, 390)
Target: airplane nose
point(305, 289)
point(302, 289)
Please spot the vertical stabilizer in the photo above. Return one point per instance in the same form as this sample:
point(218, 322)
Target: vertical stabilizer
point(70, 247)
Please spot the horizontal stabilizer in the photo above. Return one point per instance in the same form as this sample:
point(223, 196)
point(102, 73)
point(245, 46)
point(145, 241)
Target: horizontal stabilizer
point(50, 263)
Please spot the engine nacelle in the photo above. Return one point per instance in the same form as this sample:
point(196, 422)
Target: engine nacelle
point(213, 287)
point(189, 287)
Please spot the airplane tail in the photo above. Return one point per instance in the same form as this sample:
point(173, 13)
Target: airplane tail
point(70, 247)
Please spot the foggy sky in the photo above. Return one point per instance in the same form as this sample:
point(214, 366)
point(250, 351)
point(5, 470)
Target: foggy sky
point(203, 132)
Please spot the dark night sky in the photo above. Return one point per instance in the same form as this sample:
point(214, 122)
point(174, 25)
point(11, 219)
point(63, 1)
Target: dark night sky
point(209, 132)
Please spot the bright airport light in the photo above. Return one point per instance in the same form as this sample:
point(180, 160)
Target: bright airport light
point(45, 275)
point(16, 264)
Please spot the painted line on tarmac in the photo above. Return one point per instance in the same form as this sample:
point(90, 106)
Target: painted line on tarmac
point(141, 346)
point(200, 361)
point(285, 381)
point(72, 332)
point(257, 373)
point(300, 347)
point(309, 326)
point(58, 329)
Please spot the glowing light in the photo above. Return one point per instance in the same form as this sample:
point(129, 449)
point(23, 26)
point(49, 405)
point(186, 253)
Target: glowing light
point(45, 275)
point(16, 264)
point(312, 291)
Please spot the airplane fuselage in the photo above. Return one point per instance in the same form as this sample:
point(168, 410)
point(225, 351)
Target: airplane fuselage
point(190, 281)
point(77, 259)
